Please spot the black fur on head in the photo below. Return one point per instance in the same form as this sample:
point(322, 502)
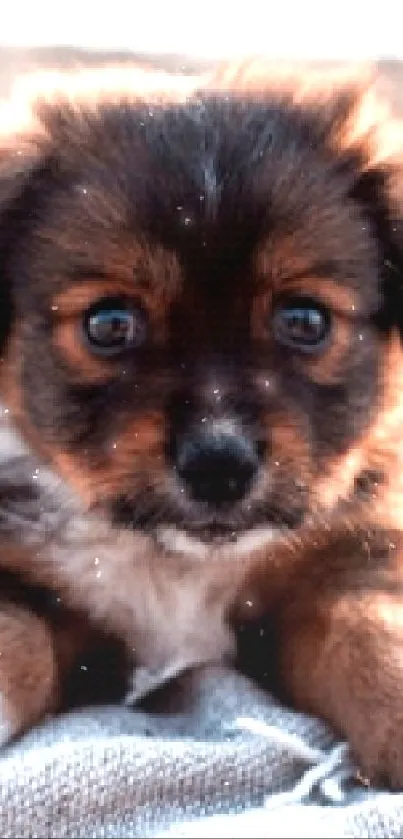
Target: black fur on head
point(213, 216)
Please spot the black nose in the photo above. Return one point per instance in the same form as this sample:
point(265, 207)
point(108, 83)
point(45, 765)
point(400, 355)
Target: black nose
point(217, 469)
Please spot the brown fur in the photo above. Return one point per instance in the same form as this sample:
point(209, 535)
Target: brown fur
point(205, 202)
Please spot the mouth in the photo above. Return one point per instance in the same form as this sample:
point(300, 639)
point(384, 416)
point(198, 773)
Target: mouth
point(218, 525)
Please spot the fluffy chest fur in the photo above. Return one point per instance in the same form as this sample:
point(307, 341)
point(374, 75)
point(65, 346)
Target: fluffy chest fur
point(171, 611)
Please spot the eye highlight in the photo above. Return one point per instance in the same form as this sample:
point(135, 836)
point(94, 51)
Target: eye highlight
point(113, 325)
point(301, 323)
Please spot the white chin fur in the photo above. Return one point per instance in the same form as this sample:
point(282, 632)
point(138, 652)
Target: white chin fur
point(180, 542)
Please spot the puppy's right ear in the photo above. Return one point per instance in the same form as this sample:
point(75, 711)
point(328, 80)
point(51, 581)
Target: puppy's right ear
point(22, 165)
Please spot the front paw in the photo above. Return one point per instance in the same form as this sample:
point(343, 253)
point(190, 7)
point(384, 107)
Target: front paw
point(341, 658)
point(378, 752)
point(28, 671)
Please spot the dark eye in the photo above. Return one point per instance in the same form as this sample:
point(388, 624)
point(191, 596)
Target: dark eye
point(301, 323)
point(113, 325)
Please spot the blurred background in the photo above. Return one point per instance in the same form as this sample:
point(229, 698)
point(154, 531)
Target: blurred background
point(179, 35)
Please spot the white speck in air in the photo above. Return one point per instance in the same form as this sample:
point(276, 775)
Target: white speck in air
point(187, 221)
point(6, 411)
point(98, 574)
point(277, 463)
point(360, 337)
point(216, 390)
point(249, 603)
point(83, 667)
point(96, 560)
point(267, 383)
point(204, 419)
point(55, 308)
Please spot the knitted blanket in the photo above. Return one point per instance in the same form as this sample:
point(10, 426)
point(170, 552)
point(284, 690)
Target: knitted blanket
point(218, 757)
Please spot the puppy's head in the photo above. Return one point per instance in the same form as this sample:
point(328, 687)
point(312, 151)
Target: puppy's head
point(201, 294)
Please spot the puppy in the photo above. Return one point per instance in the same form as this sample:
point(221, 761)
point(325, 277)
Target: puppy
point(202, 387)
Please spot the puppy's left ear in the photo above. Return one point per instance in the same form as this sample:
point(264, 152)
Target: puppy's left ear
point(361, 128)
point(375, 139)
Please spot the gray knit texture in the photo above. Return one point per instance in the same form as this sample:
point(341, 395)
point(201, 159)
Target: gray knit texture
point(219, 758)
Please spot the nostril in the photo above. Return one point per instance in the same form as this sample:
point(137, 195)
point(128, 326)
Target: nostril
point(217, 469)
